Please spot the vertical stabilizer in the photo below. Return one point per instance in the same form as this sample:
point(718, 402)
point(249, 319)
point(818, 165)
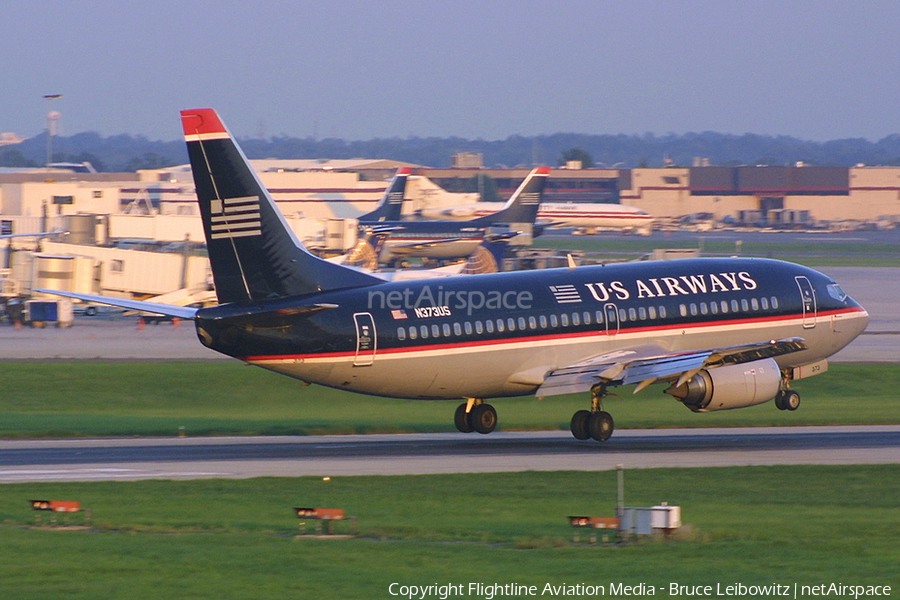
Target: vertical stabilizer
point(391, 204)
point(522, 206)
point(253, 253)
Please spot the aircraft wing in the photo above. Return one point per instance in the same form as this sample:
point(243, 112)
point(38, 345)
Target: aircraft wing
point(182, 312)
point(649, 363)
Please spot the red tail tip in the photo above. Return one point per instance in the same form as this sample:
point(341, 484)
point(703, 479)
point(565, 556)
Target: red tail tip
point(404, 171)
point(542, 171)
point(198, 121)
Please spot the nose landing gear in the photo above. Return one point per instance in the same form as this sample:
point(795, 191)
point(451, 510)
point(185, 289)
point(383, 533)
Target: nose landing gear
point(787, 400)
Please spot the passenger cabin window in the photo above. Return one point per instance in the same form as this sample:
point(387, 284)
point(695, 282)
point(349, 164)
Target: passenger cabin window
point(576, 320)
point(401, 334)
point(468, 326)
point(446, 328)
point(500, 327)
point(457, 329)
point(564, 319)
point(435, 331)
point(543, 321)
point(489, 325)
point(521, 323)
point(478, 328)
point(413, 334)
point(511, 324)
point(553, 321)
point(423, 331)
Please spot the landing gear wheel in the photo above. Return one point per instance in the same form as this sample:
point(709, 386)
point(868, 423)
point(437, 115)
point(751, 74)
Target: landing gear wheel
point(483, 418)
point(787, 400)
point(791, 400)
point(600, 425)
point(579, 425)
point(461, 419)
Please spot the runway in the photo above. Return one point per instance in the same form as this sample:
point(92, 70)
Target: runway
point(410, 454)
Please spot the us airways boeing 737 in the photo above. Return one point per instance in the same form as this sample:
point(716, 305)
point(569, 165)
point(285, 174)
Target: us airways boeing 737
point(716, 333)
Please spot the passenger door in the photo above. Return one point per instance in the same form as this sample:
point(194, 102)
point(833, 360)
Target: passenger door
point(808, 299)
point(366, 339)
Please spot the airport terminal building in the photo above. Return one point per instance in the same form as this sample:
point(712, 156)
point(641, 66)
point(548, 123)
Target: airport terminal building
point(776, 196)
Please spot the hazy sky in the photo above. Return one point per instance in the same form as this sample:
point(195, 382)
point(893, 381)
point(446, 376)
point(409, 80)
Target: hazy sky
point(817, 70)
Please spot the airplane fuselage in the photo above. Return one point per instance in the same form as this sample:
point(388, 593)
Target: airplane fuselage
point(499, 335)
point(561, 214)
point(431, 239)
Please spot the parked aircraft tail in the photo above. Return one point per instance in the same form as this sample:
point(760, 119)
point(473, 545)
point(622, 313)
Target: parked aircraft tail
point(522, 206)
point(253, 253)
point(391, 204)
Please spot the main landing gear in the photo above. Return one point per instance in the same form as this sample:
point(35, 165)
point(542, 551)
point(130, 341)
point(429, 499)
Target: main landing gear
point(594, 424)
point(475, 415)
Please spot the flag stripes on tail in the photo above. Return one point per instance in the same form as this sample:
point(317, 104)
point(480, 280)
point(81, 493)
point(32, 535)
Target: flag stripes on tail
point(235, 217)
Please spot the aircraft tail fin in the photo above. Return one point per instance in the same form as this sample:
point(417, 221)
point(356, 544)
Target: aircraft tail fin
point(253, 253)
point(522, 206)
point(391, 204)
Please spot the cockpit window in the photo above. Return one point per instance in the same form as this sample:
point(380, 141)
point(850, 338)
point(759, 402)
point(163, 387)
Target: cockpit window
point(835, 291)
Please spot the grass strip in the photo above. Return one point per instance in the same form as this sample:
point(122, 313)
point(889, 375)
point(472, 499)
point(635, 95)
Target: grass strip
point(236, 539)
point(49, 399)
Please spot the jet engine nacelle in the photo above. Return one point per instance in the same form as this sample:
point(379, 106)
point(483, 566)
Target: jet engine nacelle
point(734, 386)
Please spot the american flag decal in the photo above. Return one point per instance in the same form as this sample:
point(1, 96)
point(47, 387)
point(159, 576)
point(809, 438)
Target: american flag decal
point(398, 314)
point(565, 294)
point(235, 217)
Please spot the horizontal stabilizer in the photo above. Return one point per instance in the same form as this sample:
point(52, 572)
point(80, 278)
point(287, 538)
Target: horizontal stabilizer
point(182, 312)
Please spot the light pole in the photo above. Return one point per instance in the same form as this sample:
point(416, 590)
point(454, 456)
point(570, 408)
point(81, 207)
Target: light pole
point(52, 117)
